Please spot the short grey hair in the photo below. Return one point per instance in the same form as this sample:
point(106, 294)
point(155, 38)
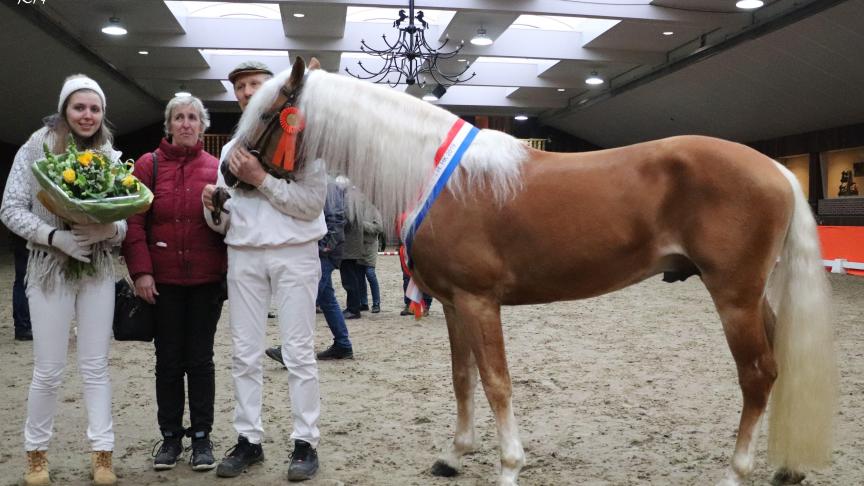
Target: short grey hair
point(196, 103)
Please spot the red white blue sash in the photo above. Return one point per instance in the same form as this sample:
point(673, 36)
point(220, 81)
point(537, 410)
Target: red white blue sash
point(447, 159)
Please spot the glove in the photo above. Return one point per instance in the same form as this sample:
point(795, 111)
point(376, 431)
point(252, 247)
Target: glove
point(66, 242)
point(89, 234)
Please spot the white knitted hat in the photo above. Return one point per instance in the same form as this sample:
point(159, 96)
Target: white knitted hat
point(76, 82)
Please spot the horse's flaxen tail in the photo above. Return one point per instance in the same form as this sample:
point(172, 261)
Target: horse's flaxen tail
point(803, 401)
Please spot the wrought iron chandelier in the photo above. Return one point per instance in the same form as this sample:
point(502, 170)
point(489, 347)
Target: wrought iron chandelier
point(410, 59)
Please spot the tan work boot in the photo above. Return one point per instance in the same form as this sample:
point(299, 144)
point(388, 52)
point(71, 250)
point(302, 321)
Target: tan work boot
point(103, 472)
point(37, 469)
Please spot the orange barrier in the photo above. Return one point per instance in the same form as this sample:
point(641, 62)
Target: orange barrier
point(843, 242)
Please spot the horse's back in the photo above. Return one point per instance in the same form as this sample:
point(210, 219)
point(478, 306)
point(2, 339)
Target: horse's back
point(589, 223)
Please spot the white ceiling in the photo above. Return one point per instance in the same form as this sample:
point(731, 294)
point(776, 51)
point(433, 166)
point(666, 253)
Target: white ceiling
point(798, 67)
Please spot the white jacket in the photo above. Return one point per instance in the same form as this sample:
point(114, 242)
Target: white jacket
point(278, 212)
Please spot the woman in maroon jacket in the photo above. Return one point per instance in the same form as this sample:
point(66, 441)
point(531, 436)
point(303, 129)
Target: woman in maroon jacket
point(178, 263)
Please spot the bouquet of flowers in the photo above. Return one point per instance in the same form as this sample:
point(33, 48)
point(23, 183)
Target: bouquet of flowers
point(88, 187)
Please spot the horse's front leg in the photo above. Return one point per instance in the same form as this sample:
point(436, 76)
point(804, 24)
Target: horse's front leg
point(464, 384)
point(480, 319)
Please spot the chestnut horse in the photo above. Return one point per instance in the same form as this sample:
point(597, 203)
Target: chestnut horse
point(520, 226)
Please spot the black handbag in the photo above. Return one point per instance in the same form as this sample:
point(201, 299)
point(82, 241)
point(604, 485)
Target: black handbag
point(134, 319)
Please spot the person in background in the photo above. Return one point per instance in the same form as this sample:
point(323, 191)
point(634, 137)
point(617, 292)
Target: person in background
point(56, 296)
point(371, 229)
point(330, 253)
point(362, 219)
point(272, 234)
point(178, 264)
point(406, 274)
point(20, 306)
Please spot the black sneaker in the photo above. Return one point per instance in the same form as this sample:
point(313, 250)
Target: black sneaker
point(275, 353)
point(376, 308)
point(240, 457)
point(169, 451)
point(406, 311)
point(304, 462)
point(346, 314)
point(364, 307)
point(202, 452)
point(24, 335)
point(336, 352)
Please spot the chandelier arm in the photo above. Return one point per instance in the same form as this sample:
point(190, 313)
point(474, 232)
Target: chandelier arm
point(410, 58)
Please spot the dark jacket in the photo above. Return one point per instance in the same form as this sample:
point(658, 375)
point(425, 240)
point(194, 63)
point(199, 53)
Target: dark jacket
point(181, 248)
point(332, 244)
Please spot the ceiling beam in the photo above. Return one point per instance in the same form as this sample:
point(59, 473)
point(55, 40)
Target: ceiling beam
point(597, 9)
point(488, 73)
point(269, 35)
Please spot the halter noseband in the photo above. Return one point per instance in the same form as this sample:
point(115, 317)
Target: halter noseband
point(273, 119)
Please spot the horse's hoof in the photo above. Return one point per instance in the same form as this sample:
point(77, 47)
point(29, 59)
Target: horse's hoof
point(442, 469)
point(786, 476)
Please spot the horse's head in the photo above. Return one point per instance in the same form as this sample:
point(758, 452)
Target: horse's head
point(276, 135)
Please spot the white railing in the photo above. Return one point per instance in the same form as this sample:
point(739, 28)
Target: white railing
point(840, 265)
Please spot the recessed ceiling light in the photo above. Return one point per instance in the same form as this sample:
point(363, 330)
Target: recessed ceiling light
point(749, 4)
point(481, 39)
point(182, 93)
point(594, 79)
point(520, 117)
point(299, 15)
point(114, 27)
point(461, 60)
point(668, 32)
point(143, 53)
point(560, 90)
point(429, 97)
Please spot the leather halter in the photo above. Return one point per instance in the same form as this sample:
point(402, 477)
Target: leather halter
point(273, 127)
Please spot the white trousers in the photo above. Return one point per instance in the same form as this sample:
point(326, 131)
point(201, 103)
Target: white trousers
point(51, 313)
point(290, 275)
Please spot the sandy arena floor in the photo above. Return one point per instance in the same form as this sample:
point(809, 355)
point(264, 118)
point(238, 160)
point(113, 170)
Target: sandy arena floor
point(636, 387)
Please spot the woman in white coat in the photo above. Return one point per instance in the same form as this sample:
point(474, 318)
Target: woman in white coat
point(56, 296)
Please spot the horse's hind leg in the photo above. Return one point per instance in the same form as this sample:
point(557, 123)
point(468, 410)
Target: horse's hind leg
point(748, 323)
point(464, 384)
point(480, 320)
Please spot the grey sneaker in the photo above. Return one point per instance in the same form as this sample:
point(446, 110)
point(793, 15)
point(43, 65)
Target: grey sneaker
point(202, 453)
point(275, 353)
point(304, 462)
point(169, 451)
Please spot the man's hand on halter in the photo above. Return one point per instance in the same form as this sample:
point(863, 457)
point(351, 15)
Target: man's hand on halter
point(207, 196)
point(246, 167)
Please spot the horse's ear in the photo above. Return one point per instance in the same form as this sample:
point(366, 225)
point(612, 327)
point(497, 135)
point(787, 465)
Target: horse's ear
point(314, 64)
point(297, 72)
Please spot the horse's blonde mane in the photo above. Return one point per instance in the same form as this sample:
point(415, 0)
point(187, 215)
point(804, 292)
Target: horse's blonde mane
point(385, 141)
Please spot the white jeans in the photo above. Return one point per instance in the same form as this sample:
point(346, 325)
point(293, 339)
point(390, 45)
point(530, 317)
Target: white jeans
point(290, 274)
point(51, 314)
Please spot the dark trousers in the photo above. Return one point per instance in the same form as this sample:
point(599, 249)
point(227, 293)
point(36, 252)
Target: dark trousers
point(186, 324)
point(427, 299)
point(352, 273)
point(330, 306)
point(20, 306)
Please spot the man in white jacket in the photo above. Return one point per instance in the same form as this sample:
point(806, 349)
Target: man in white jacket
point(272, 233)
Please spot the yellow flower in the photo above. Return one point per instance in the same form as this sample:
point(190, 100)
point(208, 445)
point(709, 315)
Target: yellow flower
point(69, 176)
point(85, 158)
point(128, 180)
